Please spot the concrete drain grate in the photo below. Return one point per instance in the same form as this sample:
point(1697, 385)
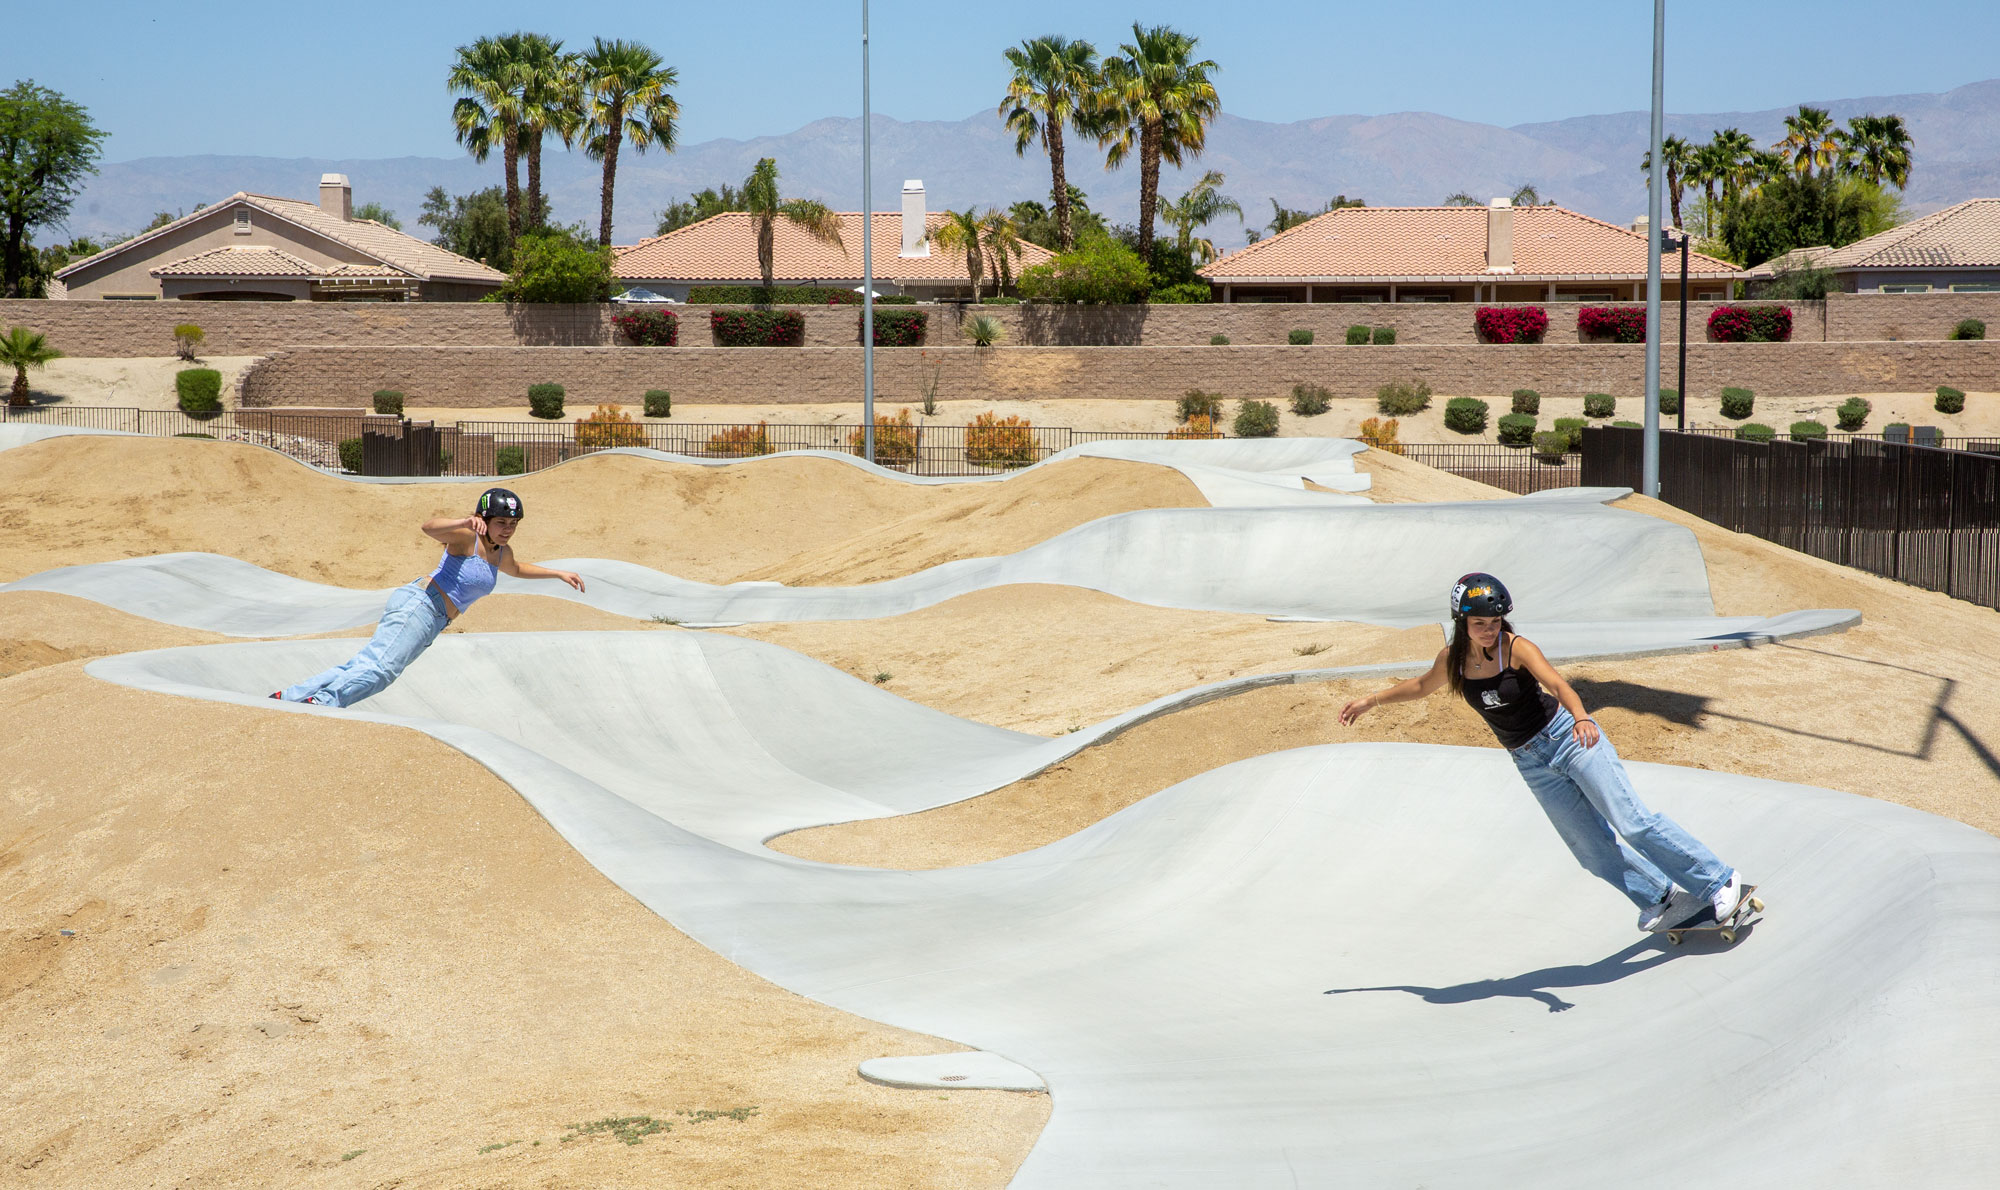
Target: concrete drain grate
point(952, 1078)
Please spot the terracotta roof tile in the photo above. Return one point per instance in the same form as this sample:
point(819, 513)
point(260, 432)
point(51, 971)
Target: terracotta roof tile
point(1962, 236)
point(724, 248)
point(238, 260)
point(1434, 243)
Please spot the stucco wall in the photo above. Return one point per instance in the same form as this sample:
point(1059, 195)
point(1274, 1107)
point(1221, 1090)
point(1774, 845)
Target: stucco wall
point(489, 376)
point(131, 272)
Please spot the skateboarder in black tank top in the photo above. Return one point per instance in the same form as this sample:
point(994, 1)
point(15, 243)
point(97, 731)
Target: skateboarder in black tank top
point(1567, 762)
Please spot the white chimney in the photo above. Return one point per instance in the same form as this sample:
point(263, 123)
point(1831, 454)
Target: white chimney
point(1500, 236)
point(1639, 224)
point(336, 197)
point(915, 240)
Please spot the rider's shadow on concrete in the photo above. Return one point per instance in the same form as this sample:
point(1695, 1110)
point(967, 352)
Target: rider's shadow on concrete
point(1535, 985)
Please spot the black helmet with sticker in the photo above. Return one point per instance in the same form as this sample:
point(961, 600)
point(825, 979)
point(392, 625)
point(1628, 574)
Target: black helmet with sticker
point(495, 502)
point(1479, 594)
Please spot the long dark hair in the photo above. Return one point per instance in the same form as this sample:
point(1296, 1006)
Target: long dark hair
point(1461, 648)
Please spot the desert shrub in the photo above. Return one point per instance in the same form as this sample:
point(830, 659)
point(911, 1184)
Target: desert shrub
point(1218, 340)
point(1737, 403)
point(658, 403)
point(350, 455)
point(1896, 431)
point(1358, 335)
point(1385, 336)
point(1528, 401)
point(649, 328)
point(1853, 413)
point(983, 330)
point(1750, 324)
point(759, 328)
point(1599, 404)
point(1256, 419)
point(552, 265)
point(740, 441)
point(199, 390)
point(388, 401)
point(1511, 324)
point(545, 401)
point(1000, 441)
point(1628, 425)
point(1465, 415)
point(1196, 403)
point(1571, 428)
point(608, 426)
point(1516, 429)
point(1299, 336)
point(1400, 398)
point(1001, 300)
point(1101, 271)
point(510, 460)
point(1201, 425)
point(1381, 434)
point(1187, 293)
point(188, 337)
point(1553, 444)
point(895, 440)
point(1616, 324)
point(1949, 399)
point(1967, 328)
point(1805, 430)
point(893, 328)
point(1310, 400)
point(775, 295)
point(1755, 431)
point(1670, 400)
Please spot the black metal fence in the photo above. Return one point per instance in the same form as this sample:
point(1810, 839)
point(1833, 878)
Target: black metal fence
point(1922, 515)
point(1519, 470)
point(313, 438)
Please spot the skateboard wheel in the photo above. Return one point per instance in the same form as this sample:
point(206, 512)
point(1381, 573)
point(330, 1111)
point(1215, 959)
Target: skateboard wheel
point(1729, 935)
point(1674, 936)
point(1756, 906)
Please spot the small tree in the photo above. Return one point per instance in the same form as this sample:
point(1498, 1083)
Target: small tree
point(187, 340)
point(554, 266)
point(22, 349)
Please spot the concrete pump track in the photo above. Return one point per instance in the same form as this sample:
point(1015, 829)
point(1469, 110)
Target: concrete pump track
point(1360, 964)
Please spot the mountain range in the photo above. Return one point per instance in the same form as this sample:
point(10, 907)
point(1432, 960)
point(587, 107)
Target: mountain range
point(1587, 163)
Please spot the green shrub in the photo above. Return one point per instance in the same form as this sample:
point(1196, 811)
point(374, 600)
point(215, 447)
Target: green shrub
point(1629, 425)
point(1805, 430)
point(1853, 413)
point(1670, 400)
point(388, 402)
point(1002, 300)
point(1256, 419)
point(1218, 340)
point(777, 295)
point(1187, 293)
point(1755, 431)
point(1896, 431)
point(763, 328)
point(1310, 400)
point(1969, 328)
point(1950, 400)
point(1599, 404)
point(1571, 428)
point(1299, 337)
point(1400, 398)
point(1099, 272)
point(893, 328)
point(200, 391)
point(350, 455)
point(555, 266)
point(1528, 401)
point(510, 460)
point(545, 401)
point(1385, 336)
point(1553, 444)
point(188, 337)
point(1358, 335)
point(1196, 403)
point(1516, 429)
point(659, 403)
point(1737, 403)
point(1466, 415)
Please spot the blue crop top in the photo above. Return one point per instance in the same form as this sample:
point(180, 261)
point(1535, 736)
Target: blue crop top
point(463, 578)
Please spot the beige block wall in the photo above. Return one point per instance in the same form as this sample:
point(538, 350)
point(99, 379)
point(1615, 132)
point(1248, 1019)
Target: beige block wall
point(470, 377)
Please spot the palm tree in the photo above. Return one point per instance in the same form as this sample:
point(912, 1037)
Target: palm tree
point(488, 111)
point(761, 198)
point(1528, 195)
point(1156, 99)
point(628, 98)
point(960, 233)
point(1053, 78)
point(1677, 155)
point(1461, 199)
point(21, 349)
point(1809, 139)
point(1001, 239)
point(549, 104)
point(1878, 148)
point(1201, 205)
point(1736, 147)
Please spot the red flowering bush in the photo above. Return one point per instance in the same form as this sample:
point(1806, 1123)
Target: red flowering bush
point(1619, 324)
point(649, 328)
point(757, 328)
point(1750, 324)
point(1511, 324)
point(896, 328)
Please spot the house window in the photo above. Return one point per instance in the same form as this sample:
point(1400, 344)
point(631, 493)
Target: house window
point(1707, 295)
point(1912, 288)
point(1423, 297)
point(242, 222)
point(1976, 287)
point(1584, 297)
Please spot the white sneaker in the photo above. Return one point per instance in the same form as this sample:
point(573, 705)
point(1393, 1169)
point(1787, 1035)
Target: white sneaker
point(1652, 915)
point(1728, 896)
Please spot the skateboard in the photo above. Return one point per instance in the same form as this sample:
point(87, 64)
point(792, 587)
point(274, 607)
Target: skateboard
point(1747, 909)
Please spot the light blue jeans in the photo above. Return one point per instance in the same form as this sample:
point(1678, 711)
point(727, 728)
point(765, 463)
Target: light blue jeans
point(411, 621)
point(1590, 800)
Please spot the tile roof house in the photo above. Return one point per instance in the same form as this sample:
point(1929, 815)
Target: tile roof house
point(1955, 250)
point(252, 247)
point(722, 250)
point(1499, 253)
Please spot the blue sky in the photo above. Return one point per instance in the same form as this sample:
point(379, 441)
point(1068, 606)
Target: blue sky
point(226, 76)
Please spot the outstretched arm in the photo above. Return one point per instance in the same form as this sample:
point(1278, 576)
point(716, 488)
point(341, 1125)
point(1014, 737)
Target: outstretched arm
point(1407, 690)
point(1530, 658)
point(519, 569)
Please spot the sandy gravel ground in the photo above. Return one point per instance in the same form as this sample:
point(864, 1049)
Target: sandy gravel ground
point(145, 383)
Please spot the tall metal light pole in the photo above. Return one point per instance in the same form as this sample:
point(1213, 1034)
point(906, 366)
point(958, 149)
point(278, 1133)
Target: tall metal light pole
point(1681, 393)
point(1649, 471)
point(867, 261)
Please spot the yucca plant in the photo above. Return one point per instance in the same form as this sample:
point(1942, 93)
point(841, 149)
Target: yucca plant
point(984, 330)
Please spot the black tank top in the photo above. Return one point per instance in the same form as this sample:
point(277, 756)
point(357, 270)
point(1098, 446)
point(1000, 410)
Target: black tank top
point(1512, 702)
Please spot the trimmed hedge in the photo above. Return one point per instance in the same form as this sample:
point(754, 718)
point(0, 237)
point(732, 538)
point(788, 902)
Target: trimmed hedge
point(649, 328)
point(388, 401)
point(1400, 398)
point(1853, 413)
point(1358, 335)
point(759, 328)
point(1755, 431)
point(1465, 415)
point(545, 401)
point(1738, 403)
point(1599, 404)
point(1516, 429)
point(1256, 419)
point(1385, 336)
point(350, 455)
point(1187, 293)
point(1511, 324)
point(1750, 324)
point(199, 390)
point(1571, 428)
point(1628, 425)
point(1310, 400)
point(776, 295)
point(1670, 400)
point(1299, 336)
point(893, 328)
point(1969, 328)
point(1949, 399)
point(1552, 444)
point(510, 460)
point(1527, 400)
point(1805, 431)
point(1612, 324)
point(658, 402)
